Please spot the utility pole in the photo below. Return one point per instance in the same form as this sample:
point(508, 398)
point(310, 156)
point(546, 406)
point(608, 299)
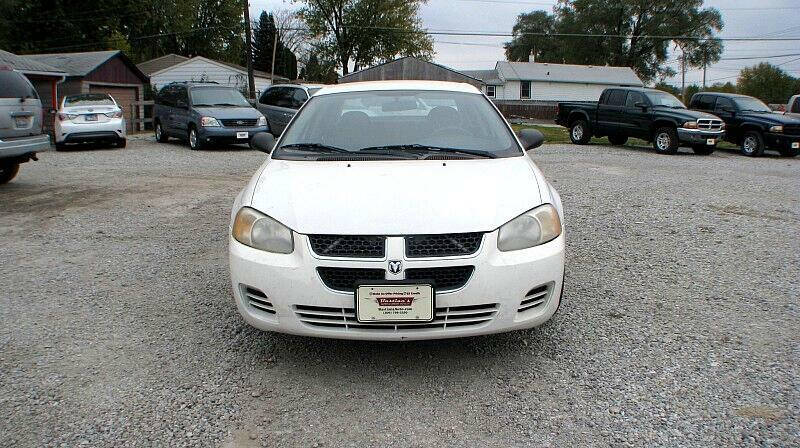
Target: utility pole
point(274, 50)
point(704, 74)
point(683, 76)
point(251, 82)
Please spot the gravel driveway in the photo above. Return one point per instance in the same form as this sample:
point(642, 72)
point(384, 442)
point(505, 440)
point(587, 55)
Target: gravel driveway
point(680, 325)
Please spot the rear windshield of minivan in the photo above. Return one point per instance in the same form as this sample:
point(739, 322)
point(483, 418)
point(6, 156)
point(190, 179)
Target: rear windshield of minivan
point(14, 85)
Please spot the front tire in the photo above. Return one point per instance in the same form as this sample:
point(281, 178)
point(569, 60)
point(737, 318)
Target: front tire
point(121, 143)
point(752, 144)
point(161, 137)
point(194, 140)
point(665, 140)
point(580, 133)
point(8, 172)
point(617, 140)
point(703, 150)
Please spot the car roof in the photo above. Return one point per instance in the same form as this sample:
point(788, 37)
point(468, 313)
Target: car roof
point(371, 86)
point(732, 95)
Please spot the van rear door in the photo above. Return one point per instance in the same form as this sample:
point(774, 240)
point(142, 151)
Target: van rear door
point(20, 108)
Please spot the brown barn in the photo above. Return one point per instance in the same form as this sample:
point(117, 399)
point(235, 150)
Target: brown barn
point(100, 71)
point(410, 68)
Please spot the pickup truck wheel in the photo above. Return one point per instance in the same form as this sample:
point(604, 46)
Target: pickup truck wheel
point(8, 172)
point(703, 150)
point(161, 137)
point(752, 144)
point(617, 140)
point(665, 140)
point(579, 133)
point(789, 152)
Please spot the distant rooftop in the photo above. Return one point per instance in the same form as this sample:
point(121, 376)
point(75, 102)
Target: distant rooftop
point(27, 65)
point(158, 64)
point(590, 74)
point(75, 64)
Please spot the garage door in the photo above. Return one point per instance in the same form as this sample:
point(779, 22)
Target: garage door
point(124, 96)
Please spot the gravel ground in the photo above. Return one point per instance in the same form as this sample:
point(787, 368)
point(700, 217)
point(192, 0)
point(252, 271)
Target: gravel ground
point(679, 328)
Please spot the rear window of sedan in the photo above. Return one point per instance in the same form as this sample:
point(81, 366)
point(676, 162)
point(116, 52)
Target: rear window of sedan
point(89, 99)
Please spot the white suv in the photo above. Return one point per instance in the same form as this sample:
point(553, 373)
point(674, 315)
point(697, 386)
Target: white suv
point(372, 221)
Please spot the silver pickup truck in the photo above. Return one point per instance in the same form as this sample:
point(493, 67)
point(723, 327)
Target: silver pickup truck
point(20, 123)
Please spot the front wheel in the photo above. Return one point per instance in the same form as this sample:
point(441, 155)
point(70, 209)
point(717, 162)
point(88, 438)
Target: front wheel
point(579, 133)
point(665, 140)
point(703, 150)
point(121, 143)
point(194, 140)
point(618, 140)
point(8, 172)
point(752, 144)
point(161, 137)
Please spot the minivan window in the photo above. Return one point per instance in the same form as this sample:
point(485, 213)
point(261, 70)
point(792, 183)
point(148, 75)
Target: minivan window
point(88, 99)
point(15, 85)
point(218, 97)
point(405, 121)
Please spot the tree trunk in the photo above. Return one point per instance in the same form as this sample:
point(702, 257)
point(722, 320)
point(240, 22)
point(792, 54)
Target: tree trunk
point(345, 62)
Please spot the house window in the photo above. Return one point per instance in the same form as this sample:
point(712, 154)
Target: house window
point(525, 90)
point(490, 91)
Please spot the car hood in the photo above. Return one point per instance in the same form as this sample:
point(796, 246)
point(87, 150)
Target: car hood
point(89, 109)
point(769, 118)
point(228, 112)
point(686, 114)
point(396, 197)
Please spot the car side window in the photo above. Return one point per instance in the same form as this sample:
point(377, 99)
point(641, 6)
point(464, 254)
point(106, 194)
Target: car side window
point(616, 98)
point(299, 98)
point(634, 98)
point(705, 102)
point(796, 105)
point(181, 96)
point(723, 104)
point(270, 96)
point(165, 96)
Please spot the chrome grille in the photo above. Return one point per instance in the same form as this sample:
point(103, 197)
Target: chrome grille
point(350, 246)
point(239, 122)
point(443, 245)
point(709, 124)
point(445, 318)
point(534, 298)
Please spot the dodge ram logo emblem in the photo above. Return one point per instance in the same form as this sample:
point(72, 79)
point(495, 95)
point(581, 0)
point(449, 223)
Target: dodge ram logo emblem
point(395, 266)
point(240, 122)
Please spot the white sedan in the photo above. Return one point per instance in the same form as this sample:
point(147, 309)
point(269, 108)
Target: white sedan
point(371, 221)
point(89, 118)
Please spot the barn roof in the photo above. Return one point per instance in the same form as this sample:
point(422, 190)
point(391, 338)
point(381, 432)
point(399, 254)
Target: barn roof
point(25, 64)
point(157, 64)
point(589, 74)
point(359, 75)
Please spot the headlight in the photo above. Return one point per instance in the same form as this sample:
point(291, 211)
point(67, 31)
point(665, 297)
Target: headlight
point(208, 122)
point(530, 229)
point(262, 121)
point(690, 125)
point(259, 231)
point(778, 128)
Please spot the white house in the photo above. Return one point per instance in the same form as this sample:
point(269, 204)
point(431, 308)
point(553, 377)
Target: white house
point(174, 68)
point(542, 81)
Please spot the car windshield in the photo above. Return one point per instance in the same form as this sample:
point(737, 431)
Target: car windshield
point(665, 99)
point(751, 104)
point(89, 99)
point(217, 96)
point(403, 123)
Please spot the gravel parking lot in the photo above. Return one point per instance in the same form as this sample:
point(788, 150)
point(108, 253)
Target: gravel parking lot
point(680, 325)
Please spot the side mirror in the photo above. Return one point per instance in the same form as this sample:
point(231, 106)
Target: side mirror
point(263, 141)
point(531, 138)
point(642, 106)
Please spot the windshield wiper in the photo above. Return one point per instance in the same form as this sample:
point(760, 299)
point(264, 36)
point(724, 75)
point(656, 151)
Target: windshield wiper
point(202, 105)
point(423, 149)
point(315, 147)
point(228, 104)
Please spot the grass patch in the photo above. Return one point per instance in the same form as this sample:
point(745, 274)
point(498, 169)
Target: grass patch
point(561, 135)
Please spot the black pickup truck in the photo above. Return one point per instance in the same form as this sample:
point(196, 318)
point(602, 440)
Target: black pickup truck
point(647, 114)
point(751, 124)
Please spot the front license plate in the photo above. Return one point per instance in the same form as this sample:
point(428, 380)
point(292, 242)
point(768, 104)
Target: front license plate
point(711, 142)
point(91, 117)
point(394, 303)
point(796, 145)
point(241, 135)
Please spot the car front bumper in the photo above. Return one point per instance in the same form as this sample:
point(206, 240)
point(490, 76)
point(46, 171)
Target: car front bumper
point(221, 134)
point(781, 141)
point(20, 146)
point(111, 130)
point(490, 301)
point(699, 136)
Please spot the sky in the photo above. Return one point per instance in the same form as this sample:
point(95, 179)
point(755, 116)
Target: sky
point(743, 18)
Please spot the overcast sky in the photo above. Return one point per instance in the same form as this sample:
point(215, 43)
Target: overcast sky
point(743, 18)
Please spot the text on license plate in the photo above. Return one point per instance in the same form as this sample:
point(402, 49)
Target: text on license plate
point(394, 303)
point(711, 141)
point(90, 117)
point(21, 122)
point(796, 145)
point(241, 135)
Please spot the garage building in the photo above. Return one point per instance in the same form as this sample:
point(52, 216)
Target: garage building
point(100, 72)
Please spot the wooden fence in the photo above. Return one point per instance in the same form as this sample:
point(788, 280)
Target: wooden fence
point(141, 115)
point(539, 110)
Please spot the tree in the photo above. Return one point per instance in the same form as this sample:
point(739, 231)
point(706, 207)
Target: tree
point(319, 71)
point(264, 35)
point(767, 83)
point(363, 32)
point(632, 19)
